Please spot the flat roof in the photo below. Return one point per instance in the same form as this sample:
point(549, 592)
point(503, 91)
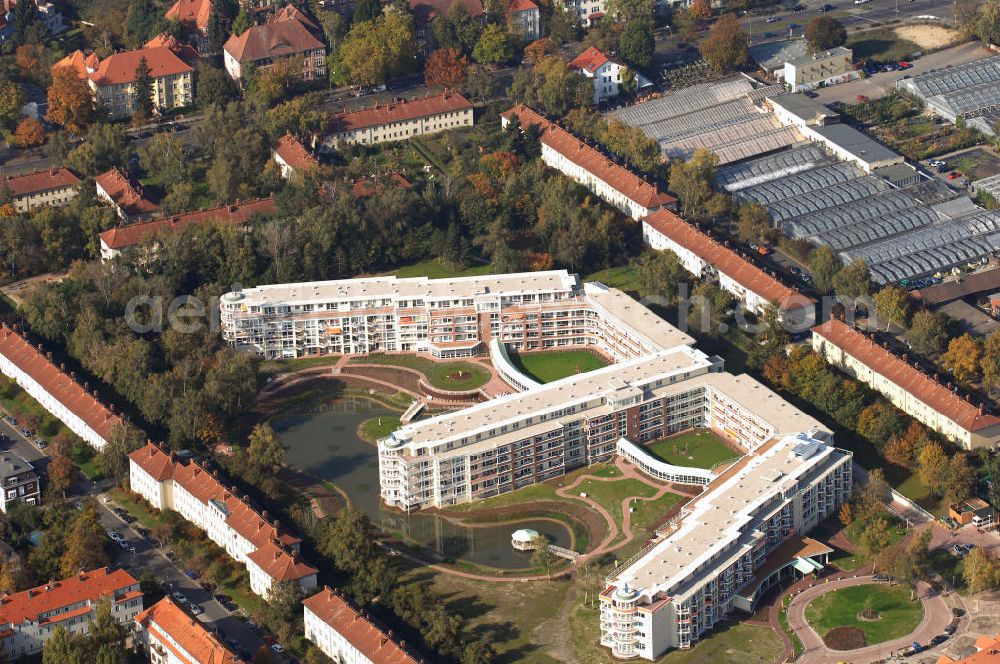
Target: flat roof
point(804, 107)
point(636, 316)
point(722, 517)
point(857, 143)
point(806, 58)
point(774, 55)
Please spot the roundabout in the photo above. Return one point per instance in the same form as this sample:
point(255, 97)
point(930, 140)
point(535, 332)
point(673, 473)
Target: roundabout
point(858, 620)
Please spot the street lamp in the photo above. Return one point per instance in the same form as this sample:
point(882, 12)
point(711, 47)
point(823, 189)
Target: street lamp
point(749, 24)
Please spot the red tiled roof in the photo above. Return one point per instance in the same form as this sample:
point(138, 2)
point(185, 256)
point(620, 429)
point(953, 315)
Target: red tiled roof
point(28, 605)
point(727, 261)
point(170, 624)
point(125, 193)
point(425, 11)
point(59, 384)
point(39, 181)
point(590, 60)
point(182, 51)
point(279, 564)
point(631, 185)
point(293, 153)
point(77, 61)
point(120, 68)
point(909, 378)
point(286, 34)
point(133, 234)
point(366, 187)
point(191, 13)
point(368, 639)
point(154, 461)
point(403, 111)
point(948, 291)
point(522, 6)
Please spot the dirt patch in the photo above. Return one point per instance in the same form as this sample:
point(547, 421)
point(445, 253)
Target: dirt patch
point(927, 37)
point(845, 638)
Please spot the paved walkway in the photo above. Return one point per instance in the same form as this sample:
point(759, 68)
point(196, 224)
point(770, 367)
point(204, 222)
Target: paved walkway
point(937, 615)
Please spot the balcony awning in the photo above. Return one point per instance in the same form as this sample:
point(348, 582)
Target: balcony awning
point(807, 565)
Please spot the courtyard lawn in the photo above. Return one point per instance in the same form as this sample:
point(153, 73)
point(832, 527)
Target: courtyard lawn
point(646, 513)
point(433, 268)
point(698, 449)
point(623, 278)
point(898, 615)
point(547, 366)
point(454, 376)
point(611, 494)
point(377, 428)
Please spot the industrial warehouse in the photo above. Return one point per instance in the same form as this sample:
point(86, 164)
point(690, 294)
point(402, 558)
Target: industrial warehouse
point(969, 91)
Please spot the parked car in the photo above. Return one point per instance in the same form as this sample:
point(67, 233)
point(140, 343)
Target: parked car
point(905, 65)
point(269, 639)
point(179, 596)
point(957, 612)
point(115, 535)
point(196, 610)
point(169, 555)
point(861, 98)
point(939, 639)
point(954, 175)
point(192, 574)
point(773, 19)
point(278, 648)
point(827, 7)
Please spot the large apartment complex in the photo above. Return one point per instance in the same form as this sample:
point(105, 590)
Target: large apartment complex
point(400, 120)
point(344, 634)
point(270, 554)
point(445, 317)
point(580, 161)
point(915, 393)
point(28, 618)
point(729, 544)
point(547, 430)
point(57, 390)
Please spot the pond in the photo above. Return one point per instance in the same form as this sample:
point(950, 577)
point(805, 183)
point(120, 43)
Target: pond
point(326, 444)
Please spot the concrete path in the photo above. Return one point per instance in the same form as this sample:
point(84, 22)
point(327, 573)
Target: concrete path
point(937, 615)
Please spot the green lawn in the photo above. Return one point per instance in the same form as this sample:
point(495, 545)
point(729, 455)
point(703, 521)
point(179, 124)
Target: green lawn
point(950, 568)
point(610, 494)
point(647, 512)
point(898, 615)
point(547, 366)
point(730, 642)
point(433, 268)
point(297, 364)
point(443, 375)
point(880, 46)
point(698, 449)
point(623, 278)
point(135, 506)
point(377, 428)
point(917, 491)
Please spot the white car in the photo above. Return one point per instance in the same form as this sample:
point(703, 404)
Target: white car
point(861, 2)
point(196, 610)
point(278, 648)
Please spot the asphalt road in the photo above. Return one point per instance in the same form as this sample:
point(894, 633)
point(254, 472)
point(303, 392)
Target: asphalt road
point(146, 556)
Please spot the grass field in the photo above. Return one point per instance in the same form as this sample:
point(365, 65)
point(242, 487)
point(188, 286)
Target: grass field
point(648, 512)
point(296, 364)
point(440, 374)
point(698, 449)
point(898, 615)
point(547, 366)
point(433, 268)
point(882, 46)
point(611, 494)
point(377, 428)
point(623, 278)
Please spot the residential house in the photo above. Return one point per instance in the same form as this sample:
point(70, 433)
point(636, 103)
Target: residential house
point(19, 483)
point(580, 161)
point(587, 12)
point(607, 73)
point(169, 634)
point(400, 120)
point(524, 20)
point(193, 15)
point(292, 157)
point(345, 634)
point(117, 240)
point(56, 186)
point(124, 195)
point(288, 36)
point(28, 618)
point(270, 554)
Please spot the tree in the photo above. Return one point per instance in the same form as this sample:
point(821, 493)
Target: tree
point(265, 449)
point(29, 133)
point(627, 11)
point(374, 50)
point(564, 25)
point(962, 357)
point(685, 24)
point(366, 10)
point(636, 44)
point(823, 266)
point(61, 648)
point(892, 303)
point(113, 457)
point(148, 585)
point(541, 555)
point(106, 635)
point(14, 575)
point(961, 480)
point(708, 306)
point(85, 543)
point(11, 100)
point(660, 273)
point(879, 422)
point(243, 20)
point(989, 362)
point(823, 33)
point(539, 49)
point(213, 86)
point(754, 222)
point(853, 282)
point(71, 104)
point(692, 181)
point(980, 570)
point(552, 87)
point(446, 68)
point(932, 466)
point(701, 9)
point(725, 47)
point(164, 156)
point(143, 21)
point(494, 46)
point(875, 537)
point(987, 26)
point(456, 29)
point(61, 472)
point(25, 20)
point(217, 29)
point(632, 144)
point(928, 332)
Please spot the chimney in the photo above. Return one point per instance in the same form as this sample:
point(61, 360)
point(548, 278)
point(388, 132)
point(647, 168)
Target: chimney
point(62, 367)
point(86, 386)
point(48, 356)
point(72, 374)
point(982, 410)
point(264, 514)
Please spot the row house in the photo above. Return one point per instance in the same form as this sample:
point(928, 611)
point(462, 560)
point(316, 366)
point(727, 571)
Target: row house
point(28, 618)
point(56, 187)
point(270, 554)
point(582, 162)
point(400, 120)
point(68, 399)
point(920, 395)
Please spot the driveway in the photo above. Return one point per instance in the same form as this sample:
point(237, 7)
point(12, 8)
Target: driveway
point(937, 615)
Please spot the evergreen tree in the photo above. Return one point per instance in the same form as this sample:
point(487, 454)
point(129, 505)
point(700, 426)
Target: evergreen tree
point(25, 17)
point(143, 105)
point(218, 29)
point(242, 22)
point(366, 10)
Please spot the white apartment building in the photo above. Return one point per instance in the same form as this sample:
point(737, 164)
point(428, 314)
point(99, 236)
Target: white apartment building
point(579, 161)
point(532, 436)
point(907, 387)
point(270, 554)
point(726, 547)
point(606, 72)
point(587, 12)
point(400, 120)
point(59, 392)
point(169, 634)
point(28, 618)
point(705, 258)
point(346, 636)
point(447, 318)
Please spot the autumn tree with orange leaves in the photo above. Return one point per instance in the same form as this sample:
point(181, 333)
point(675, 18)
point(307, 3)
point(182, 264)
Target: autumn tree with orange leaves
point(29, 133)
point(446, 68)
point(71, 104)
